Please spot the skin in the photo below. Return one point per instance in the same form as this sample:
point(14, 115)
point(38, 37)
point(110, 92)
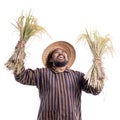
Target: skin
point(60, 55)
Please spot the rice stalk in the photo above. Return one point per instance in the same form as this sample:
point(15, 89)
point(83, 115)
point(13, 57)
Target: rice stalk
point(27, 27)
point(99, 45)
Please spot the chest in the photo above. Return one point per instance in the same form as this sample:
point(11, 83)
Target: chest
point(59, 81)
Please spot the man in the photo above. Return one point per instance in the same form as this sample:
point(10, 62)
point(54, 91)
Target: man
point(59, 87)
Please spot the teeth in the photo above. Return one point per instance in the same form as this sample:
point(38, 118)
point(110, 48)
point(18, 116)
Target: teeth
point(60, 56)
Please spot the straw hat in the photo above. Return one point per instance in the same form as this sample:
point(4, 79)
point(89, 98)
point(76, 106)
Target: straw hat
point(63, 45)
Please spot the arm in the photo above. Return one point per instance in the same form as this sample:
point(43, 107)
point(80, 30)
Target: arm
point(85, 86)
point(94, 84)
point(26, 77)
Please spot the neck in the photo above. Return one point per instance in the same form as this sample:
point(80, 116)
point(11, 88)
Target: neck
point(60, 69)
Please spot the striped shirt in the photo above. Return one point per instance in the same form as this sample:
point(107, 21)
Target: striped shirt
point(60, 92)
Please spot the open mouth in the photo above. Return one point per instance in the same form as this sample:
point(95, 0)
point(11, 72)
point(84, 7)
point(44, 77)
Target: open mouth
point(61, 57)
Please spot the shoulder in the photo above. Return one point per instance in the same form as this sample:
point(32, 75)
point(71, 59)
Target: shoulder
point(76, 72)
point(42, 69)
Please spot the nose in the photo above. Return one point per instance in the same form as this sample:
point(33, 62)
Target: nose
point(61, 53)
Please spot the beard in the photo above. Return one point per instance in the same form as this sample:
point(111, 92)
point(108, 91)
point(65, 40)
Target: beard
point(60, 64)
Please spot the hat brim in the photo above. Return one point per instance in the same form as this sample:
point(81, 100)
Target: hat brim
point(62, 45)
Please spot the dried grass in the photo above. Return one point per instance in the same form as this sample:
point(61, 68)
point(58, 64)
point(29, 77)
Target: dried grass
point(99, 45)
point(27, 27)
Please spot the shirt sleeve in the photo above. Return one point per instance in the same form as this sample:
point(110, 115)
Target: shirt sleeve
point(87, 87)
point(27, 76)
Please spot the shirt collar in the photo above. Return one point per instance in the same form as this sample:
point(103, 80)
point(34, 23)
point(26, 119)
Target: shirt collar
point(54, 70)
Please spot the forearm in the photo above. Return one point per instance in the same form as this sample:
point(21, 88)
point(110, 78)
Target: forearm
point(91, 89)
point(26, 76)
point(94, 80)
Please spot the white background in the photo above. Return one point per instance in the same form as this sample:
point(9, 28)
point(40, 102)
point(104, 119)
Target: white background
point(64, 20)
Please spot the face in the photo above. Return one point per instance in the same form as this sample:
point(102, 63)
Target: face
point(59, 58)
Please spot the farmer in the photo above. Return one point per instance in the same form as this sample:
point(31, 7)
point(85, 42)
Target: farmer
point(60, 88)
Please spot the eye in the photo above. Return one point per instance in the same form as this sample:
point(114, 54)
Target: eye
point(56, 52)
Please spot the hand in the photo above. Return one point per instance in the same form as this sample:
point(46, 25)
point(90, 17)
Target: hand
point(97, 61)
point(20, 44)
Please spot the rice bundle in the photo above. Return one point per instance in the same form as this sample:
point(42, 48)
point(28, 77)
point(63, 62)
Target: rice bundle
point(27, 27)
point(99, 45)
